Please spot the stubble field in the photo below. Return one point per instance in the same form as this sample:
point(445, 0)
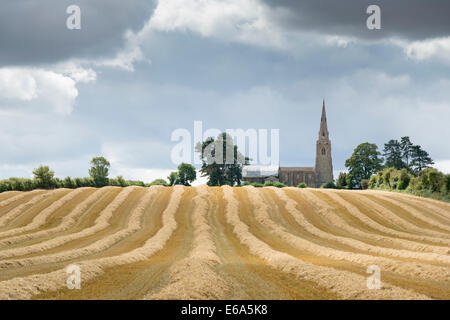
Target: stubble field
point(222, 243)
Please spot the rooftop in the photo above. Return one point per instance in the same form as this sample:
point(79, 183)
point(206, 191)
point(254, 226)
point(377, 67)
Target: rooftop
point(296, 168)
point(259, 171)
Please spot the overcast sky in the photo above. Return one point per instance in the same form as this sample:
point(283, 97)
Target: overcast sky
point(138, 70)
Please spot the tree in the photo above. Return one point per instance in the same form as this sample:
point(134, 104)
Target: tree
point(420, 159)
point(364, 162)
point(173, 178)
point(88, 182)
point(394, 154)
point(78, 182)
point(406, 147)
point(221, 161)
point(447, 183)
point(113, 182)
point(364, 184)
point(99, 171)
point(404, 179)
point(342, 180)
point(121, 181)
point(328, 185)
point(58, 183)
point(44, 177)
point(373, 181)
point(186, 174)
point(158, 182)
point(435, 179)
point(68, 183)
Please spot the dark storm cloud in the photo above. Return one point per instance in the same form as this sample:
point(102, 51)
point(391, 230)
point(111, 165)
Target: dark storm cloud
point(408, 19)
point(33, 32)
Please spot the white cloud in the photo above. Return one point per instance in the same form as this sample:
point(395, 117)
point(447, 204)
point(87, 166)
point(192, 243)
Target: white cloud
point(438, 48)
point(339, 41)
point(16, 84)
point(79, 74)
point(125, 58)
point(246, 21)
point(55, 89)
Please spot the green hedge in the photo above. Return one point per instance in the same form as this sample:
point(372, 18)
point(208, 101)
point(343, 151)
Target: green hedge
point(23, 184)
point(429, 183)
point(328, 185)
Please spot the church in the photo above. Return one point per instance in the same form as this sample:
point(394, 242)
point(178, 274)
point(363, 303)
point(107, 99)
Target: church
point(315, 176)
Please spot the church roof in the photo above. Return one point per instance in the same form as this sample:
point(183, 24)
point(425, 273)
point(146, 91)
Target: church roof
point(259, 171)
point(296, 168)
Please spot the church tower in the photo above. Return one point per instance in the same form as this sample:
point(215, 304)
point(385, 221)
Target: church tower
point(324, 166)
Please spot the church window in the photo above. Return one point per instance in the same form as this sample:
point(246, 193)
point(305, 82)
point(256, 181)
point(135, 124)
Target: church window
point(323, 134)
point(323, 151)
point(298, 176)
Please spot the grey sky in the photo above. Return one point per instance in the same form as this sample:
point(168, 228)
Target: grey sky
point(34, 32)
point(410, 19)
point(66, 96)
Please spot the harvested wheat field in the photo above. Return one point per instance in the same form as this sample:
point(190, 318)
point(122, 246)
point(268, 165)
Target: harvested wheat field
point(222, 243)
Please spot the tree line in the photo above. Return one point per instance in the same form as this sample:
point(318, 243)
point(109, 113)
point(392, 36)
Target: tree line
point(401, 166)
point(44, 178)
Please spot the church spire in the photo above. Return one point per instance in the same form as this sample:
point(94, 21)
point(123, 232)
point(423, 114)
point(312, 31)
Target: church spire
point(324, 165)
point(323, 132)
